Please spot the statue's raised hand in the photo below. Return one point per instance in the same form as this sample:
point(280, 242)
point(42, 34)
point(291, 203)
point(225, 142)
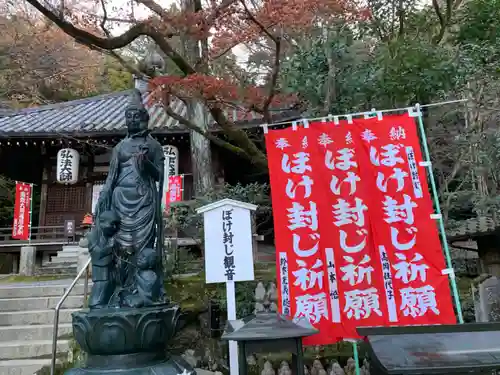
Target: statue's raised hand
point(144, 161)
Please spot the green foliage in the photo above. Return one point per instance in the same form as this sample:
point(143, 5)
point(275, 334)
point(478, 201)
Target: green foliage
point(398, 59)
point(7, 199)
point(183, 216)
point(193, 294)
point(401, 72)
point(479, 21)
point(115, 77)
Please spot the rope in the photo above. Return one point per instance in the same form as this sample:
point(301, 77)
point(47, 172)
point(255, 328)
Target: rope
point(366, 113)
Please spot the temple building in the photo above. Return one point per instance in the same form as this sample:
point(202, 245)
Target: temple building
point(64, 150)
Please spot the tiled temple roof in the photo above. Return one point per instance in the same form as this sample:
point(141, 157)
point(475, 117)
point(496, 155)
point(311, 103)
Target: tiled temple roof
point(471, 228)
point(104, 114)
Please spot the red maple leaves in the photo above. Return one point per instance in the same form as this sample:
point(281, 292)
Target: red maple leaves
point(227, 24)
point(216, 91)
point(244, 24)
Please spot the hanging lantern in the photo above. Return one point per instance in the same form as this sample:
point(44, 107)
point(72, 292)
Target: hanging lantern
point(171, 161)
point(68, 161)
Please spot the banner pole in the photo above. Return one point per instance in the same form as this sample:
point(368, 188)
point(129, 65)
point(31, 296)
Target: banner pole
point(31, 213)
point(182, 187)
point(355, 354)
point(439, 214)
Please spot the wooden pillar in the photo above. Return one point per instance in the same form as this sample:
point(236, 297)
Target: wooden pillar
point(44, 187)
point(87, 174)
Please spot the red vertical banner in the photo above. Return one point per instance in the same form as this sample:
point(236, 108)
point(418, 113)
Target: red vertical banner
point(174, 191)
point(22, 211)
point(296, 191)
point(356, 240)
point(404, 230)
point(353, 264)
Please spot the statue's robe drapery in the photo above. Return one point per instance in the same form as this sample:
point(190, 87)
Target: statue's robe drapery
point(101, 252)
point(131, 191)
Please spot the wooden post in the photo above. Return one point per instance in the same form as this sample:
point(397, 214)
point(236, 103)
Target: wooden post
point(255, 243)
point(231, 315)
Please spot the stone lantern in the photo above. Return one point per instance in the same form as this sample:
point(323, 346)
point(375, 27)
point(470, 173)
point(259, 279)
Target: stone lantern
point(267, 331)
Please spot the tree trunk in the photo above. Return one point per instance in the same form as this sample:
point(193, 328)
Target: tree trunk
point(201, 155)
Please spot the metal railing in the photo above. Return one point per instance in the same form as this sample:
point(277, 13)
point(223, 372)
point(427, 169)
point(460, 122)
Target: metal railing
point(85, 270)
point(42, 235)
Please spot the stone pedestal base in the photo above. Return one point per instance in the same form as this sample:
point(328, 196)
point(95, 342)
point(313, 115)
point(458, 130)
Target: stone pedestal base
point(171, 366)
point(128, 341)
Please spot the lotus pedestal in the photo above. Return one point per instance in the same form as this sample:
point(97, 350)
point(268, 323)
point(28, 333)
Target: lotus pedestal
point(128, 341)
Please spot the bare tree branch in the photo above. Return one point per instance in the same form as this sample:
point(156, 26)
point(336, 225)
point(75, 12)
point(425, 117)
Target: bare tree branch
point(104, 19)
point(273, 81)
point(401, 18)
point(238, 136)
point(444, 19)
point(207, 134)
point(258, 23)
point(276, 63)
point(242, 144)
point(86, 38)
point(132, 69)
point(154, 7)
point(440, 16)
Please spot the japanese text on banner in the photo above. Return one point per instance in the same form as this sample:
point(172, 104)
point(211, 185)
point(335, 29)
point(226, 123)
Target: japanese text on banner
point(407, 239)
point(362, 187)
point(301, 265)
point(356, 292)
point(21, 223)
point(174, 192)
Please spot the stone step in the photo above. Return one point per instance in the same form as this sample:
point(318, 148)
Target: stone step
point(31, 349)
point(22, 366)
point(68, 253)
point(61, 264)
point(32, 332)
point(73, 260)
point(68, 258)
point(56, 272)
point(59, 269)
point(39, 303)
point(35, 317)
point(67, 248)
point(26, 291)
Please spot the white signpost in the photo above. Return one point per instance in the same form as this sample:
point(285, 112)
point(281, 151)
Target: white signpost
point(228, 253)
